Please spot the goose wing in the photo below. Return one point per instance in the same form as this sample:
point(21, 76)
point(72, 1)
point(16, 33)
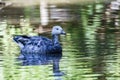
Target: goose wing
point(39, 41)
point(21, 40)
point(38, 44)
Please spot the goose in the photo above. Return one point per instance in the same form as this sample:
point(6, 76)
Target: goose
point(40, 44)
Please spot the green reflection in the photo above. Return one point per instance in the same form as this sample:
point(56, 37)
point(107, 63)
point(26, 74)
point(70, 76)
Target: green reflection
point(89, 53)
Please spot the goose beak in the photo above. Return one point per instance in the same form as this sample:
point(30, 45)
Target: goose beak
point(63, 32)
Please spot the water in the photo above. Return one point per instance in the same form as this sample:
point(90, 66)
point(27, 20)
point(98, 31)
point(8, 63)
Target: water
point(91, 48)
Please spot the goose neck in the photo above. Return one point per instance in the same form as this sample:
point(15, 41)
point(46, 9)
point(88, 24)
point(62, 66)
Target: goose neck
point(55, 39)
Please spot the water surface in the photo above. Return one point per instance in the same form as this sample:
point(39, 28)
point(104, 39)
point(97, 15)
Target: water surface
point(90, 48)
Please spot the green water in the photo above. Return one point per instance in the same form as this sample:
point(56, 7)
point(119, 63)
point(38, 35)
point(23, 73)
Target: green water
point(91, 48)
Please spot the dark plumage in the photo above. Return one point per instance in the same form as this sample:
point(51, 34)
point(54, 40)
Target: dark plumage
point(40, 44)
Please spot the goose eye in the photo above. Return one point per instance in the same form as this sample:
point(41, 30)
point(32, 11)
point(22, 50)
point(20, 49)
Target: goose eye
point(57, 29)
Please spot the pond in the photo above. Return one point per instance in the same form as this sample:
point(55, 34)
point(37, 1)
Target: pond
point(91, 47)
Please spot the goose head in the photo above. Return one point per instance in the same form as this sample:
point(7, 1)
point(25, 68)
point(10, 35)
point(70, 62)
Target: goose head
point(57, 30)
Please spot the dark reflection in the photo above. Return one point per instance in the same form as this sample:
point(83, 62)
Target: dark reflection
point(42, 59)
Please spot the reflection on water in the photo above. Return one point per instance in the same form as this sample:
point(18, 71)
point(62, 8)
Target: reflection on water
point(90, 48)
point(42, 59)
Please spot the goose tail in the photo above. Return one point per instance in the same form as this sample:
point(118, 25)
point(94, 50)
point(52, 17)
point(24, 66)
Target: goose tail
point(21, 40)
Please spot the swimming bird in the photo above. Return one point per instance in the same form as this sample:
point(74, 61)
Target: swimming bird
point(40, 44)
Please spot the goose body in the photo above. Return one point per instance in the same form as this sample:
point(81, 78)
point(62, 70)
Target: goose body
point(40, 44)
